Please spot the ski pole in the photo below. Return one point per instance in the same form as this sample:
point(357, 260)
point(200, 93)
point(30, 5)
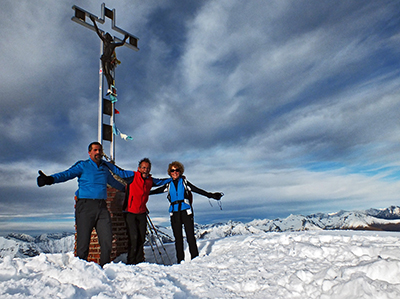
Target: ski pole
point(159, 238)
point(158, 249)
point(151, 244)
point(218, 202)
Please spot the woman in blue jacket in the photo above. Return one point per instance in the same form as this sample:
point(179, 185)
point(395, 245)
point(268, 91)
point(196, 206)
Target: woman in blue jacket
point(179, 195)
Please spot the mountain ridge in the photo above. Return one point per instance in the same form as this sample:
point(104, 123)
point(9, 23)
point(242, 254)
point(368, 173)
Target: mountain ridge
point(23, 245)
point(387, 219)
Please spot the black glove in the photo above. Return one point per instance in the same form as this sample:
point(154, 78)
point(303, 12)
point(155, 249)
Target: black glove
point(217, 195)
point(43, 179)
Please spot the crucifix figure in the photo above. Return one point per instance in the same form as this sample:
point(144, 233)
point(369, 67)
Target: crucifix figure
point(108, 59)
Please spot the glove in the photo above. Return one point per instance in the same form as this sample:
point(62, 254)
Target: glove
point(217, 195)
point(43, 179)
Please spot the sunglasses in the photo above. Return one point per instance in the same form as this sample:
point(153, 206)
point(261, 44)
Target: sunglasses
point(175, 170)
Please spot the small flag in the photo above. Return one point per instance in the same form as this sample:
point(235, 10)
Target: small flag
point(126, 137)
point(113, 98)
point(117, 132)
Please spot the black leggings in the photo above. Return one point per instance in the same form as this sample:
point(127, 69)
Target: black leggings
point(177, 220)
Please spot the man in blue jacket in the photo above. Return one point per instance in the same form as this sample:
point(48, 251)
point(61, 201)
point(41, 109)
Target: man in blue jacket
point(91, 209)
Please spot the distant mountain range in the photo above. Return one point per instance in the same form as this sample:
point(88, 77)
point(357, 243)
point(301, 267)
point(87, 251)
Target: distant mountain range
point(22, 245)
point(373, 219)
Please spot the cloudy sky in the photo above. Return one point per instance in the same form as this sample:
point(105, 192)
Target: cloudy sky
point(286, 106)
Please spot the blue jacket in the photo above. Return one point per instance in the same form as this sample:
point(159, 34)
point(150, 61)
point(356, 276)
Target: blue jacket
point(176, 194)
point(177, 197)
point(92, 179)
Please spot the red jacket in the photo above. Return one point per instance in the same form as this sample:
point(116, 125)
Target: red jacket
point(137, 194)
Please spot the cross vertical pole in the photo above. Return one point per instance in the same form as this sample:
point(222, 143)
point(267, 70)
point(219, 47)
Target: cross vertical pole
point(100, 117)
point(112, 121)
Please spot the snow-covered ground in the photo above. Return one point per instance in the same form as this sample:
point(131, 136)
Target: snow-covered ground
point(308, 264)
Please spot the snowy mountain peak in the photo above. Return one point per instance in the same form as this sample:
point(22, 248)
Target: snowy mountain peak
point(373, 219)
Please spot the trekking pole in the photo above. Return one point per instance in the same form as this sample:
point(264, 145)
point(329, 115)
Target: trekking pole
point(218, 202)
point(159, 238)
point(158, 249)
point(150, 241)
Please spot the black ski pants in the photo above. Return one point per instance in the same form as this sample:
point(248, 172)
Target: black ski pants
point(91, 213)
point(177, 220)
point(136, 227)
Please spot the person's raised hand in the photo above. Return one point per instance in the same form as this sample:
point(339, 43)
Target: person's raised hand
point(217, 195)
point(43, 179)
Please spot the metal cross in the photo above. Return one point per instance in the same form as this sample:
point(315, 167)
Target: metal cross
point(105, 131)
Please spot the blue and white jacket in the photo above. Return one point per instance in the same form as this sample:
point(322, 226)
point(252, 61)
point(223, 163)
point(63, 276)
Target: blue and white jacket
point(176, 194)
